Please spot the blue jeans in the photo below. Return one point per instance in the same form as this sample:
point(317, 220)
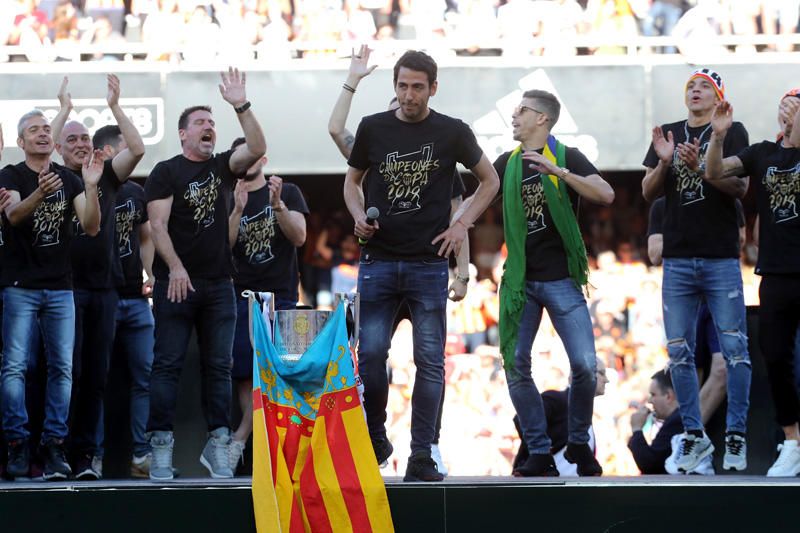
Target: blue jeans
point(719, 281)
point(55, 312)
point(211, 310)
point(94, 338)
point(567, 309)
point(134, 338)
point(382, 286)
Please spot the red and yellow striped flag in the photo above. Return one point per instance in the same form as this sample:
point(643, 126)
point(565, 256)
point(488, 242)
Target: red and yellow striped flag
point(313, 464)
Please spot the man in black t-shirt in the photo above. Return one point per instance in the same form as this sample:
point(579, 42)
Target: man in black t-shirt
point(188, 200)
point(411, 154)
point(775, 169)
point(95, 266)
point(546, 268)
point(133, 334)
point(266, 226)
point(36, 273)
point(650, 457)
point(701, 262)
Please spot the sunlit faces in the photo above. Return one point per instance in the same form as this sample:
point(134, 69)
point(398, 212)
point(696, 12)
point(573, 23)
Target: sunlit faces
point(200, 136)
point(661, 400)
point(74, 144)
point(700, 95)
point(37, 138)
point(413, 92)
point(525, 119)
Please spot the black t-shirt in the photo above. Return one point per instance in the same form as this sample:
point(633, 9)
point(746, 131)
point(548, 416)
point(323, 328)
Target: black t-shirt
point(37, 250)
point(545, 257)
point(775, 172)
point(411, 171)
point(656, 225)
point(264, 258)
point(95, 265)
point(198, 221)
point(699, 219)
point(129, 213)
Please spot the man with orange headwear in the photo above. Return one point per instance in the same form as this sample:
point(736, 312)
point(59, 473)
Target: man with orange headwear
point(775, 167)
point(701, 263)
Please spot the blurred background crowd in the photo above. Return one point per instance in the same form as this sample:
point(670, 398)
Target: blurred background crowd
point(275, 30)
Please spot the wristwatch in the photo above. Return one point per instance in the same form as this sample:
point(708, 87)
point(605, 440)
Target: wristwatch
point(242, 108)
point(280, 207)
point(464, 279)
point(564, 172)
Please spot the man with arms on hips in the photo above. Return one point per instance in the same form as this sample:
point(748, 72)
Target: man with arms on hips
point(266, 227)
point(38, 293)
point(701, 262)
point(95, 267)
point(775, 169)
point(188, 202)
point(547, 268)
point(411, 154)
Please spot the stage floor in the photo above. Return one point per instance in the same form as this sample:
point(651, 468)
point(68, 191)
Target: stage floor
point(460, 504)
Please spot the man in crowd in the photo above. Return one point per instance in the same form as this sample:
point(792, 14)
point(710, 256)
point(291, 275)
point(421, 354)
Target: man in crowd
point(411, 154)
point(38, 293)
point(188, 199)
point(774, 167)
point(556, 411)
point(94, 267)
point(650, 458)
point(547, 268)
point(266, 227)
point(701, 262)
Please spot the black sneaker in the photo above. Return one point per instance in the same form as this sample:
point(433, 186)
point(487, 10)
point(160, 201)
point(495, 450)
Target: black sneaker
point(83, 469)
point(581, 454)
point(537, 465)
point(19, 459)
point(383, 450)
point(422, 468)
point(55, 462)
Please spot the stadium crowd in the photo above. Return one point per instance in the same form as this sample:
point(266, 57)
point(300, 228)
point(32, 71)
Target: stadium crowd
point(274, 30)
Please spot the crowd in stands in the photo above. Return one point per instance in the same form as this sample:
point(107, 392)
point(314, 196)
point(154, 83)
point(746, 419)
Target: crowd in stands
point(200, 30)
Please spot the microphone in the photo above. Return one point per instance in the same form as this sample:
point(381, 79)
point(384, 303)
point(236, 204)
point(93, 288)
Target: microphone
point(372, 216)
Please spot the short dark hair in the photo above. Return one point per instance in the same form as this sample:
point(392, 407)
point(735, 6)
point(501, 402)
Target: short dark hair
point(237, 142)
point(183, 120)
point(107, 135)
point(419, 61)
point(547, 103)
point(664, 380)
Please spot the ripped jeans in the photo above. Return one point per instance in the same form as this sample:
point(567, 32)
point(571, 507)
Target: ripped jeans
point(719, 282)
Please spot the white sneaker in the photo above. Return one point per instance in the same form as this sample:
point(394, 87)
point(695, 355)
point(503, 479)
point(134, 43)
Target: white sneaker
point(788, 462)
point(97, 466)
point(436, 455)
point(235, 451)
point(693, 451)
point(735, 453)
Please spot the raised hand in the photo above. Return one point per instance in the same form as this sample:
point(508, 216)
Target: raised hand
point(113, 90)
point(232, 87)
point(788, 110)
point(664, 146)
point(93, 168)
point(359, 62)
point(275, 187)
point(64, 97)
point(240, 196)
point(49, 182)
point(722, 118)
point(540, 163)
point(690, 154)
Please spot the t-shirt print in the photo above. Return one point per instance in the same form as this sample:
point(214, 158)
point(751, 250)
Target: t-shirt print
point(256, 233)
point(782, 188)
point(126, 216)
point(690, 184)
point(533, 202)
point(47, 220)
point(201, 196)
point(406, 176)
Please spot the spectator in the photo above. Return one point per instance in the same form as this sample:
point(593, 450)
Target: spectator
point(650, 457)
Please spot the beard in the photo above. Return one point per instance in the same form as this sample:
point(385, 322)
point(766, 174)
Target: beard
point(252, 176)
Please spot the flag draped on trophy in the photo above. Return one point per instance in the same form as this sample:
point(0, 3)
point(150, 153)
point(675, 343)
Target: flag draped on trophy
point(313, 464)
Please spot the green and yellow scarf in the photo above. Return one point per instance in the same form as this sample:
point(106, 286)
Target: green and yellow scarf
point(512, 287)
